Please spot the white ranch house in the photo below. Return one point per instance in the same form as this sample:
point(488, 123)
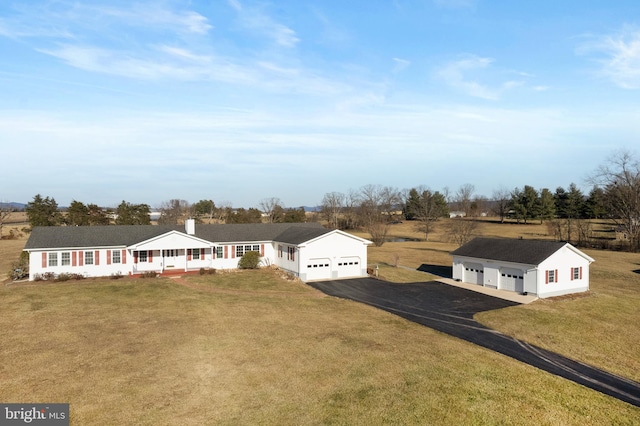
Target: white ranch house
point(543, 268)
point(309, 251)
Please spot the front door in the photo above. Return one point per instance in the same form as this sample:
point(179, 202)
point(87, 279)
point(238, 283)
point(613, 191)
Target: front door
point(170, 258)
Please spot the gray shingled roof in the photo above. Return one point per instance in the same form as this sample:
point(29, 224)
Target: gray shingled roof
point(126, 235)
point(298, 235)
point(531, 252)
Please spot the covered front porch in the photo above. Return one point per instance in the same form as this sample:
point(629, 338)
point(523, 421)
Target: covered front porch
point(172, 252)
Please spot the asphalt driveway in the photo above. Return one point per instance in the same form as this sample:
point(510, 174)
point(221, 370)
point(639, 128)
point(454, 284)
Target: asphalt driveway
point(450, 310)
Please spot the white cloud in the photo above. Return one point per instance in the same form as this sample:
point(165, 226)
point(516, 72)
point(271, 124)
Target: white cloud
point(621, 57)
point(457, 75)
point(127, 64)
point(259, 22)
point(400, 64)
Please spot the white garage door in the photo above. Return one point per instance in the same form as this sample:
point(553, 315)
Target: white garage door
point(349, 267)
point(512, 280)
point(319, 269)
point(473, 273)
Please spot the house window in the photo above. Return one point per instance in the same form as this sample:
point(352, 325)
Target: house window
point(256, 248)
point(115, 256)
point(280, 250)
point(53, 259)
point(88, 258)
point(552, 276)
point(195, 254)
point(219, 252)
point(142, 257)
point(291, 253)
point(65, 258)
point(576, 273)
point(239, 251)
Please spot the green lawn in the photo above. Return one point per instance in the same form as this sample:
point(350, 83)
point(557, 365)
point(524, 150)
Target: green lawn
point(253, 348)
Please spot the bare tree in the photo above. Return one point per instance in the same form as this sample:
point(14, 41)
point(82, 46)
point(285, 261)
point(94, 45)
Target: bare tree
point(390, 201)
point(5, 212)
point(374, 201)
point(501, 201)
point(332, 206)
point(222, 211)
point(271, 207)
point(620, 178)
point(461, 230)
point(463, 198)
point(479, 206)
point(174, 211)
point(350, 212)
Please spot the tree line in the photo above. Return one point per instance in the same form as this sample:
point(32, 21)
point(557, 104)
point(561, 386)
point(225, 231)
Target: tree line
point(615, 195)
point(44, 211)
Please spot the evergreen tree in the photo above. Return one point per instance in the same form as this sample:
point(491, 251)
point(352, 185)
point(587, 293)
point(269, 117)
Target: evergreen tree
point(547, 206)
point(43, 212)
point(77, 214)
point(133, 214)
point(595, 207)
point(525, 203)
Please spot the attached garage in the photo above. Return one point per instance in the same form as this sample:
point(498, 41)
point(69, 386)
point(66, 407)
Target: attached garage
point(319, 269)
point(348, 267)
point(322, 254)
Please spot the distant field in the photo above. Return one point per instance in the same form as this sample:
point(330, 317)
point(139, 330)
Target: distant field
point(10, 249)
point(252, 348)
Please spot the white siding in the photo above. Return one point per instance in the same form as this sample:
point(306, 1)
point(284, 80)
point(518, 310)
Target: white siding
point(345, 255)
point(534, 277)
point(100, 267)
point(563, 261)
point(347, 259)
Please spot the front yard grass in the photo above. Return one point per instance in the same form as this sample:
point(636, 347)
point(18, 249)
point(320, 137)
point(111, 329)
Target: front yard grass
point(216, 350)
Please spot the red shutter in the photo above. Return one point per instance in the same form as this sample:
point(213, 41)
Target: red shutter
point(124, 256)
point(150, 256)
point(74, 258)
point(233, 252)
point(135, 257)
point(556, 276)
point(262, 250)
point(108, 257)
point(546, 277)
point(188, 254)
point(581, 272)
point(202, 254)
point(226, 252)
point(97, 262)
point(80, 258)
point(44, 259)
point(572, 274)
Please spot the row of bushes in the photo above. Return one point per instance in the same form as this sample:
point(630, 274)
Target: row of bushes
point(50, 276)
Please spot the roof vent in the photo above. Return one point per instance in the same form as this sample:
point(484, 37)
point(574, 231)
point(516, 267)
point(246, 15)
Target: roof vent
point(190, 226)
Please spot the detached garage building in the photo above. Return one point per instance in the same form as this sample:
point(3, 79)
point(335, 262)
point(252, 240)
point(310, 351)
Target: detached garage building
point(543, 268)
point(307, 250)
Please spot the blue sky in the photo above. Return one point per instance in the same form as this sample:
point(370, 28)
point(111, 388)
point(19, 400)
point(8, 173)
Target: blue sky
point(241, 100)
